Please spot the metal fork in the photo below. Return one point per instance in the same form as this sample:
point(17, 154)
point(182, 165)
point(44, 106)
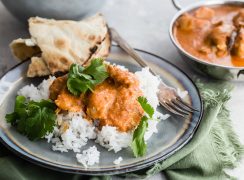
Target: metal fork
point(167, 96)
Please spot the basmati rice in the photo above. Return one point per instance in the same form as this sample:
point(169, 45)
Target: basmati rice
point(89, 157)
point(76, 136)
point(112, 139)
point(37, 93)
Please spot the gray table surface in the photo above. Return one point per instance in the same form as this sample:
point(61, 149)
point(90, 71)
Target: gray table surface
point(144, 24)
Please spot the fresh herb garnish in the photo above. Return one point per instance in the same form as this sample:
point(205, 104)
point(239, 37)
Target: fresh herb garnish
point(146, 106)
point(33, 119)
point(81, 79)
point(139, 145)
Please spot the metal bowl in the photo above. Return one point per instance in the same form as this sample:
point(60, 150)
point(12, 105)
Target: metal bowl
point(207, 68)
point(69, 9)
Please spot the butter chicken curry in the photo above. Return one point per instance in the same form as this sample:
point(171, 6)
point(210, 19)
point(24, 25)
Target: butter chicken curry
point(113, 102)
point(214, 34)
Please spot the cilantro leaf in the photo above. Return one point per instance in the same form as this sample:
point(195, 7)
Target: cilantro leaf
point(145, 106)
point(33, 119)
point(82, 79)
point(97, 70)
point(138, 145)
point(77, 85)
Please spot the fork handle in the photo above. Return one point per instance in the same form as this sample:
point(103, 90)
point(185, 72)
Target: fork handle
point(127, 48)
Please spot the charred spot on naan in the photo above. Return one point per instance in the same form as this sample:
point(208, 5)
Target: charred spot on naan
point(64, 60)
point(60, 43)
point(100, 51)
point(91, 37)
point(93, 49)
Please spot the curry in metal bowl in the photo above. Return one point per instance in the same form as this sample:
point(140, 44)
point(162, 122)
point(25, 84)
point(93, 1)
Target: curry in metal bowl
point(213, 34)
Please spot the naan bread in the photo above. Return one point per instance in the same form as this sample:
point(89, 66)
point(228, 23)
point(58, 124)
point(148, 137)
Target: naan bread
point(103, 50)
point(37, 67)
point(61, 43)
point(65, 42)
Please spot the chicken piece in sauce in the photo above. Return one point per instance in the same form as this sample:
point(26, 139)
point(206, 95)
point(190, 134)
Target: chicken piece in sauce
point(68, 102)
point(204, 13)
point(114, 102)
point(56, 87)
point(238, 47)
point(238, 20)
point(189, 23)
point(219, 38)
point(63, 98)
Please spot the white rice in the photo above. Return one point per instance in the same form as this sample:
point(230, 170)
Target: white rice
point(89, 157)
point(76, 136)
point(149, 86)
point(118, 160)
point(80, 130)
point(111, 139)
point(37, 93)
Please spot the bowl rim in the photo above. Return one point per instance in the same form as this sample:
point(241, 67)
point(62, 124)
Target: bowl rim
point(190, 8)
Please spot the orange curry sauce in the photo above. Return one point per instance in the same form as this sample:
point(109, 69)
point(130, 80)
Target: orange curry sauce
point(113, 102)
point(214, 34)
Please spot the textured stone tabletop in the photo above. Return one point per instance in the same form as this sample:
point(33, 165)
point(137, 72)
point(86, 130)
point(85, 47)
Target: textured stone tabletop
point(144, 24)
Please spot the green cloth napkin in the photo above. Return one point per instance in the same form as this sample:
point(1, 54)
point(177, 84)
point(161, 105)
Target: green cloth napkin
point(213, 148)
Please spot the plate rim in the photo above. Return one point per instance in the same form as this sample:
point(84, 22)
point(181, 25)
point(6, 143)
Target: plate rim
point(117, 170)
